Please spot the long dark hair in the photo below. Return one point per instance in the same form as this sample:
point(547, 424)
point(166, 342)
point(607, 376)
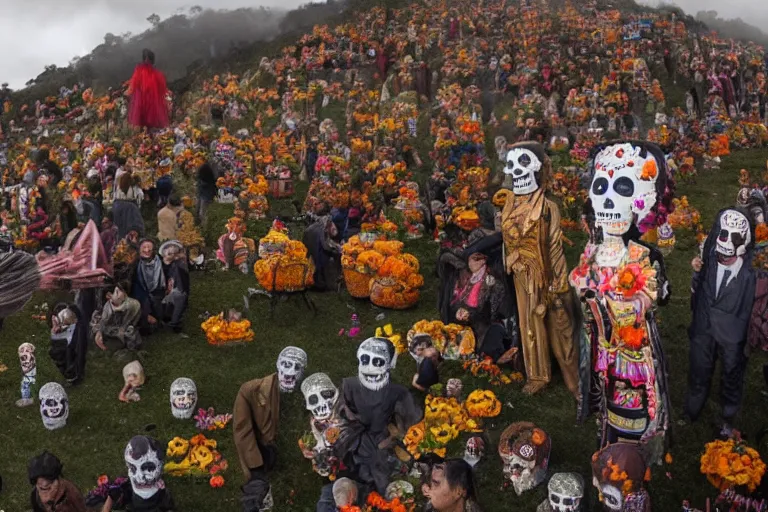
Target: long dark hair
point(148, 55)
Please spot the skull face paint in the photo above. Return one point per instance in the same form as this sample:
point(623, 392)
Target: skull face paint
point(183, 398)
point(474, 450)
point(375, 360)
point(734, 235)
point(320, 395)
point(524, 449)
point(54, 405)
point(290, 368)
point(523, 165)
point(623, 189)
point(565, 492)
point(27, 358)
point(145, 466)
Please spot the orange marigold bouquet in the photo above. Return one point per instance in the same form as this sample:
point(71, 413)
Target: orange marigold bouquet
point(221, 331)
point(732, 463)
point(444, 419)
point(196, 456)
point(451, 340)
point(289, 271)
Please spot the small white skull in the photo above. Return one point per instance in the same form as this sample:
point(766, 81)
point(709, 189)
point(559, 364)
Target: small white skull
point(183, 398)
point(623, 189)
point(54, 405)
point(612, 500)
point(523, 165)
point(734, 236)
point(474, 450)
point(453, 388)
point(320, 395)
point(566, 490)
point(375, 360)
point(144, 463)
point(27, 357)
point(519, 469)
point(290, 368)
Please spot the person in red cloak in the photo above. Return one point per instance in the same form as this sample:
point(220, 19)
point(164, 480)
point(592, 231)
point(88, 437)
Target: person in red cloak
point(148, 108)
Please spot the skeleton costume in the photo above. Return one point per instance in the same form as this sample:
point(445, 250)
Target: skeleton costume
point(723, 296)
point(535, 258)
point(622, 365)
point(372, 405)
point(146, 492)
point(322, 399)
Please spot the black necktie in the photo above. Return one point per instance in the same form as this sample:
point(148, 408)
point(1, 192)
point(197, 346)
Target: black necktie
point(723, 282)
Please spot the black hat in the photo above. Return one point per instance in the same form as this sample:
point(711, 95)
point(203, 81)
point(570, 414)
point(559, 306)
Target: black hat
point(45, 465)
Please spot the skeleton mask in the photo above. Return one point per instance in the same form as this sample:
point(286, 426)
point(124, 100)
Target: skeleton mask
point(54, 406)
point(320, 394)
point(622, 459)
point(27, 358)
point(734, 236)
point(183, 398)
point(375, 358)
point(524, 449)
point(453, 388)
point(623, 189)
point(566, 490)
point(474, 450)
point(290, 368)
point(145, 466)
point(523, 165)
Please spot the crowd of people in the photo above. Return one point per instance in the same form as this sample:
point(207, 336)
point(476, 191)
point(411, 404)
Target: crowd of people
point(586, 138)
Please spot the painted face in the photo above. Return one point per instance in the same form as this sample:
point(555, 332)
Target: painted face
point(474, 450)
point(374, 363)
point(734, 235)
point(183, 398)
point(54, 405)
point(144, 465)
point(320, 395)
point(27, 358)
point(523, 165)
point(290, 368)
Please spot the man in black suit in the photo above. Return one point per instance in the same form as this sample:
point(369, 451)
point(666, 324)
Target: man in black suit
point(723, 295)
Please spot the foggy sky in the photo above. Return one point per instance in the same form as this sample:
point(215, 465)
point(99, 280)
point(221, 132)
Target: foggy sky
point(36, 33)
point(753, 12)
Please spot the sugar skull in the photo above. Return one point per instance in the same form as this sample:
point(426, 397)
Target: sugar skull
point(565, 492)
point(616, 492)
point(734, 236)
point(320, 395)
point(624, 185)
point(183, 398)
point(524, 163)
point(453, 388)
point(144, 460)
point(474, 450)
point(376, 357)
point(54, 405)
point(525, 450)
point(291, 363)
point(27, 358)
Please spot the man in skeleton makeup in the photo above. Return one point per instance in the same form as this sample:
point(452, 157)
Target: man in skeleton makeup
point(620, 280)
point(723, 295)
point(377, 410)
point(116, 326)
point(255, 418)
point(69, 342)
point(535, 258)
point(565, 493)
point(322, 398)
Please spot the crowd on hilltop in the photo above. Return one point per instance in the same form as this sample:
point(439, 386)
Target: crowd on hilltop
point(594, 114)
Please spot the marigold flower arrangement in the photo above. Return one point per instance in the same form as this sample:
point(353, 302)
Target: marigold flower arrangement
point(488, 369)
point(732, 463)
point(451, 340)
point(482, 403)
point(444, 419)
point(221, 331)
point(376, 503)
point(289, 271)
point(197, 456)
point(397, 339)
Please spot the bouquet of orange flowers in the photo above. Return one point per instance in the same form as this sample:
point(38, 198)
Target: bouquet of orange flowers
point(221, 331)
point(288, 271)
point(451, 340)
point(732, 463)
point(376, 503)
point(196, 456)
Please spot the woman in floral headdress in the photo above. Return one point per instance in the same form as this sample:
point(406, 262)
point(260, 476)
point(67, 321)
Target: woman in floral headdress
point(148, 108)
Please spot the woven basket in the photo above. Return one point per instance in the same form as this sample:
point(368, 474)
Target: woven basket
point(390, 294)
point(357, 283)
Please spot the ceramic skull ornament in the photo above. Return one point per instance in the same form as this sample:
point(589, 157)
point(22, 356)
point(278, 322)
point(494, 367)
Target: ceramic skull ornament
point(565, 492)
point(735, 234)
point(453, 388)
point(525, 450)
point(183, 398)
point(627, 179)
point(144, 460)
point(524, 162)
point(474, 450)
point(376, 357)
point(625, 492)
point(291, 363)
point(320, 394)
point(54, 405)
point(27, 358)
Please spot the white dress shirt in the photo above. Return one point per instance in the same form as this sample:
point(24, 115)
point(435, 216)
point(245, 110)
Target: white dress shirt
point(734, 267)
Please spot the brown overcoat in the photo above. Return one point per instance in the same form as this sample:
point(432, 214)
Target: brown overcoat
point(255, 418)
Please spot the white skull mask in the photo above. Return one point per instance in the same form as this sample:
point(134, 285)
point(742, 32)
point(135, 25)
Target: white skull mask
point(566, 490)
point(623, 189)
point(320, 395)
point(734, 235)
point(54, 405)
point(519, 471)
point(523, 165)
point(374, 363)
point(453, 388)
point(27, 358)
point(611, 497)
point(145, 466)
point(290, 368)
point(183, 398)
point(474, 450)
